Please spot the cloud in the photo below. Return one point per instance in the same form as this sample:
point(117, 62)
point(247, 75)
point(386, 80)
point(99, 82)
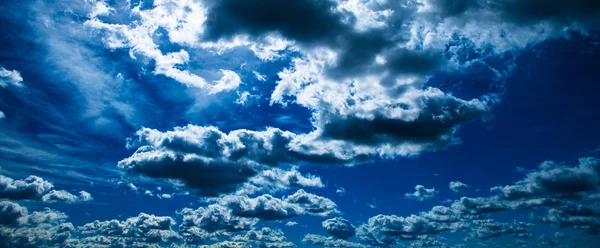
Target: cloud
point(193, 154)
point(339, 228)
point(291, 223)
point(202, 223)
point(144, 228)
point(553, 179)
point(264, 207)
point(183, 22)
point(37, 189)
point(274, 180)
point(458, 187)
point(488, 228)
point(304, 21)
point(318, 240)
point(10, 78)
point(421, 193)
point(340, 191)
point(20, 228)
point(313, 204)
point(264, 237)
point(64, 196)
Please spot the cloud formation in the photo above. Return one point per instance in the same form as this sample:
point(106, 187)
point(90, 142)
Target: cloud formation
point(37, 189)
point(421, 193)
point(339, 228)
point(458, 187)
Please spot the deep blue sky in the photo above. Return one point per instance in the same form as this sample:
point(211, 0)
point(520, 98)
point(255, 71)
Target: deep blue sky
point(120, 110)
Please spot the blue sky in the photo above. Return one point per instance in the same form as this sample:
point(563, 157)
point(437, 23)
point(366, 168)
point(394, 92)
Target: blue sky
point(317, 123)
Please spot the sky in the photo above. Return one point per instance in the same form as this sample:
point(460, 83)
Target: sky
point(287, 123)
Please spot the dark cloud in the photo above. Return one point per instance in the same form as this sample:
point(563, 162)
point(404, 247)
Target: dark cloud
point(11, 213)
point(553, 179)
point(339, 228)
point(554, 11)
point(306, 21)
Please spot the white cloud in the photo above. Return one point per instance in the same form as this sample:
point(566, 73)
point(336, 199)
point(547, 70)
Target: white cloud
point(10, 78)
point(421, 193)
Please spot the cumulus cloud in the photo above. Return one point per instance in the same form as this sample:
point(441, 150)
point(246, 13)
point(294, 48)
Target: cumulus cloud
point(488, 228)
point(458, 187)
point(264, 237)
point(276, 179)
point(19, 228)
point(38, 189)
point(144, 229)
point(265, 207)
point(421, 193)
point(339, 228)
point(554, 179)
point(318, 240)
point(210, 222)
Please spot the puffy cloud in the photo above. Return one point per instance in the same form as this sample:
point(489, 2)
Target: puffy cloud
point(313, 204)
point(291, 223)
point(145, 228)
point(339, 228)
point(553, 179)
point(36, 188)
point(194, 154)
point(585, 218)
point(32, 187)
point(212, 221)
point(458, 187)
point(19, 228)
point(421, 193)
point(318, 240)
point(64, 196)
point(265, 207)
point(277, 179)
point(389, 229)
point(264, 237)
point(12, 213)
point(10, 78)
